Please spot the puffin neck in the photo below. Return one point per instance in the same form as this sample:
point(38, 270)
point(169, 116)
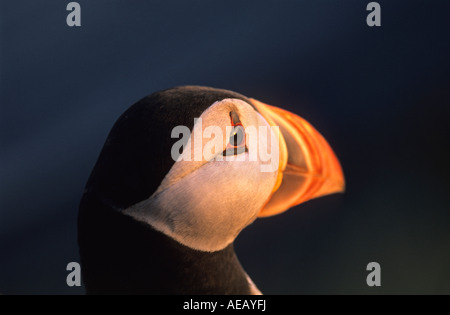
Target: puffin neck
point(123, 256)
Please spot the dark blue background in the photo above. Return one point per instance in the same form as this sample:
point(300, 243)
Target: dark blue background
point(381, 96)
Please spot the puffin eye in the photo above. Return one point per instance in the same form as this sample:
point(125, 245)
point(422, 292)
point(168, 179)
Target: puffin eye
point(236, 143)
point(237, 137)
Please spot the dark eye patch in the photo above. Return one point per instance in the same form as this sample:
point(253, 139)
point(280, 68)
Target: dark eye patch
point(237, 137)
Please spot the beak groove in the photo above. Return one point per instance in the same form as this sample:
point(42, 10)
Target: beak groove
point(308, 167)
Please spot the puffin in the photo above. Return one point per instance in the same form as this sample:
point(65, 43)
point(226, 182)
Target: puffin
point(180, 176)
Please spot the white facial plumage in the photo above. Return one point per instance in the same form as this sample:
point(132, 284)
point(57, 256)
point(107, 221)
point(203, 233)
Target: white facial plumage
point(204, 204)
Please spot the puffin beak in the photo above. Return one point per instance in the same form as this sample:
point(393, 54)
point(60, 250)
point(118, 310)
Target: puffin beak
point(308, 167)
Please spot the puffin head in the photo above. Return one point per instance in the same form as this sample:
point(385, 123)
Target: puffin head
point(200, 164)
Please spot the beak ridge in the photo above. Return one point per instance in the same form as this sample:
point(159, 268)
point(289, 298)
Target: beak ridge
point(308, 167)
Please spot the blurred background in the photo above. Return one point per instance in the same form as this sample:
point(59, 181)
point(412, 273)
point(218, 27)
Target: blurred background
point(380, 96)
